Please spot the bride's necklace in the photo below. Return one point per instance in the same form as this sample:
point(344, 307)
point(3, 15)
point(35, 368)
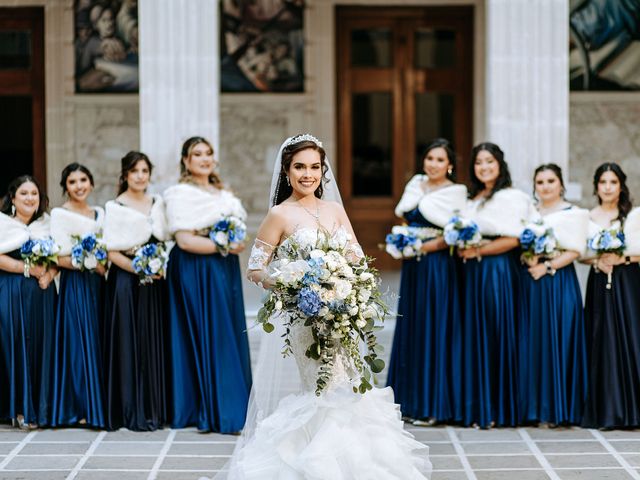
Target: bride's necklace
point(314, 215)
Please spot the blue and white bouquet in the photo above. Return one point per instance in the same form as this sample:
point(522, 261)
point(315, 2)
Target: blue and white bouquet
point(88, 252)
point(608, 240)
point(150, 261)
point(325, 287)
point(406, 242)
point(39, 251)
point(462, 233)
point(538, 240)
point(228, 234)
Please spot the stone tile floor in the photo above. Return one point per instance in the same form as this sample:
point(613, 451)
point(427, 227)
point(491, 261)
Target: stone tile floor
point(456, 454)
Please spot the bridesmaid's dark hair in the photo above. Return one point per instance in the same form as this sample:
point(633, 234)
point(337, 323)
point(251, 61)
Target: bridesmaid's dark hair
point(187, 147)
point(283, 189)
point(451, 155)
point(624, 202)
point(128, 163)
point(553, 168)
point(5, 205)
point(504, 177)
point(69, 169)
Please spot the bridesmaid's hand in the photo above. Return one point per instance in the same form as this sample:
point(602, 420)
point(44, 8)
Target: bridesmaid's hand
point(45, 280)
point(538, 271)
point(603, 265)
point(101, 269)
point(532, 262)
point(469, 253)
point(239, 249)
point(37, 271)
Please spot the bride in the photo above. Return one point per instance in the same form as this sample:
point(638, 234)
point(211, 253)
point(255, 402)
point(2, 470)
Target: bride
point(291, 433)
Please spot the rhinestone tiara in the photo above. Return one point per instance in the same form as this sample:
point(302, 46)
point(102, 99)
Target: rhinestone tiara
point(305, 137)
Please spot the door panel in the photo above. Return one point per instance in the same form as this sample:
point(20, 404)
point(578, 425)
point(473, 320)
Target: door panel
point(404, 78)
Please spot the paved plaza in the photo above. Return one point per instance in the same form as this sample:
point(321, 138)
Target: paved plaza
point(456, 454)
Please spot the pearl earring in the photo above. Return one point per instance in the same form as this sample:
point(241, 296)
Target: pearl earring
point(13, 210)
point(450, 170)
point(288, 182)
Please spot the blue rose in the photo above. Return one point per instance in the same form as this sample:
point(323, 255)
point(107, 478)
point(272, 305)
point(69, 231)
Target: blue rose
point(539, 245)
point(621, 237)
point(77, 251)
point(222, 225)
point(467, 233)
point(605, 241)
point(27, 247)
point(101, 255)
point(309, 302)
point(527, 237)
point(451, 237)
point(137, 264)
point(149, 250)
point(89, 243)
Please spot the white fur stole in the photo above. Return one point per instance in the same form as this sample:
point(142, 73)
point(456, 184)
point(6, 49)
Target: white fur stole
point(437, 207)
point(65, 223)
point(126, 228)
point(632, 232)
point(504, 215)
point(571, 228)
point(191, 208)
point(412, 194)
point(15, 233)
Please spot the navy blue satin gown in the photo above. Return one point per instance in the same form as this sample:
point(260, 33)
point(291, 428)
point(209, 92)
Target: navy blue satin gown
point(552, 349)
point(26, 320)
point(489, 373)
point(426, 359)
point(613, 337)
point(77, 393)
point(134, 346)
point(210, 368)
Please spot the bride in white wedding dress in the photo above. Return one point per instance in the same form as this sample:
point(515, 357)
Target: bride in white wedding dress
point(291, 433)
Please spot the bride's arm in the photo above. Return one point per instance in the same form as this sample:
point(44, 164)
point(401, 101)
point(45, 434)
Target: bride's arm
point(267, 239)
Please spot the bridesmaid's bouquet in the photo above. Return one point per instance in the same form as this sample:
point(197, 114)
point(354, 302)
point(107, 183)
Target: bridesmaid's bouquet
point(462, 233)
point(150, 261)
point(228, 233)
point(406, 242)
point(88, 251)
point(38, 251)
point(537, 239)
point(326, 287)
point(608, 240)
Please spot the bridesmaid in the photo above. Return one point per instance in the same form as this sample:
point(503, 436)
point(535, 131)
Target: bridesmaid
point(135, 316)
point(611, 315)
point(210, 369)
point(27, 306)
point(491, 272)
point(553, 358)
point(425, 366)
point(76, 395)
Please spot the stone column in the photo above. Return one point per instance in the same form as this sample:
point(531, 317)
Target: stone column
point(179, 80)
point(527, 89)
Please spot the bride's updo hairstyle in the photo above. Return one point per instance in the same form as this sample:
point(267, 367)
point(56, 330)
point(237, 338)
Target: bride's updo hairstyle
point(185, 174)
point(624, 201)
point(128, 163)
point(284, 189)
point(504, 177)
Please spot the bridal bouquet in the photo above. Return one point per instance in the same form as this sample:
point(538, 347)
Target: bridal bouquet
point(228, 233)
point(608, 240)
point(150, 261)
point(88, 251)
point(406, 242)
point(39, 252)
point(462, 233)
point(537, 239)
point(333, 292)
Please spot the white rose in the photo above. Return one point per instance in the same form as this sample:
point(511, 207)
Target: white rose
point(90, 262)
point(366, 276)
point(363, 295)
point(75, 262)
point(408, 251)
point(36, 248)
point(328, 296)
point(155, 265)
point(353, 311)
point(323, 311)
point(278, 305)
point(221, 238)
point(360, 323)
point(369, 312)
point(342, 289)
point(393, 251)
point(316, 253)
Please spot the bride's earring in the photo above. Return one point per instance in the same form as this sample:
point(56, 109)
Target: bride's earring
point(13, 210)
point(288, 182)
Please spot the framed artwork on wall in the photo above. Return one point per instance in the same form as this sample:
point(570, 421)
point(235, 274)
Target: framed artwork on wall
point(106, 46)
point(604, 52)
point(262, 46)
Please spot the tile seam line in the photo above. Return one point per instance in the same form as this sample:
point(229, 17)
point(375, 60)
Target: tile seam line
point(617, 455)
point(537, 453)
point(153, 474)
point(13, 453)
point(455, 441)
point(92, 448)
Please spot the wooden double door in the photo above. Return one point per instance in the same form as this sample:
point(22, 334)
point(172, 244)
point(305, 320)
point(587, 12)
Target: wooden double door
point(404, 77)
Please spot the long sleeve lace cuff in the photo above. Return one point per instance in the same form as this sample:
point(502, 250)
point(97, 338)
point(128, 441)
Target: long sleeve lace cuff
point(261, 254)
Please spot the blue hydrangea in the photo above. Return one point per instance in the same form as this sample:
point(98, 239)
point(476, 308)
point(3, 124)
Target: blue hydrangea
point(527, 237)
point(89, 243)
point(605, 240)
point(309, 302)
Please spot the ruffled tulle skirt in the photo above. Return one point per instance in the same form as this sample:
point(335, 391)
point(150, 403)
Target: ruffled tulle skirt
point(26, 321)
point(337, 436)
point(210, 368)
point(426, 360)
point(612, 319)
point(552, 349)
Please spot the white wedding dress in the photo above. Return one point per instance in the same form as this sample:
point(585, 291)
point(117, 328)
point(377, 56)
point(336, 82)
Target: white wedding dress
point(339, 435)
